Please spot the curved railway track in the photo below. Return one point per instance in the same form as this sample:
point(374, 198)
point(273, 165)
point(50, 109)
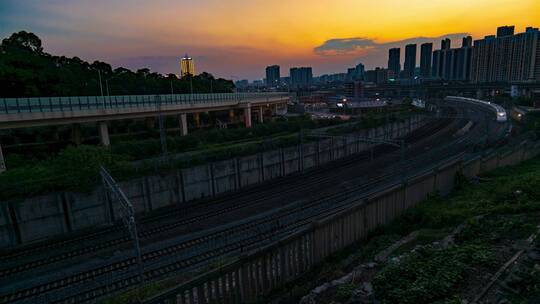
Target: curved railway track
point(113, 240)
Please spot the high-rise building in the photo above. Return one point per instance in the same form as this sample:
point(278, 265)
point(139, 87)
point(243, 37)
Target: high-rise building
point(525, 62)
point(272, 76)
point(379, 75)
point(426, 50)
point(301, 77)
point(462, 59)
point(452, 64)
point(507, 57)
point(394, 64)
point(467, 41)
point(507, 30)
point(360, 70)
point(187, 66)
point(446, 44)
point(436, 65)
point(410, 61)
point(351, 74)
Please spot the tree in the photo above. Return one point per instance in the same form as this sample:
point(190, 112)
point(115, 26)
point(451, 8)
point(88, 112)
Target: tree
point(27, 71)
point(23, 40)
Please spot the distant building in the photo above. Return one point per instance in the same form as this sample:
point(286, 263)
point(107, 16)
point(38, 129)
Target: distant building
point(272, 76)
point(410, 61)
point(446, 44)
point(507, 57)
point(354, 90)
point(379, 75)
point(467, 42)
point(301, 77)
point(360, 70)
point(242, 84)
point(452, 64)
point(426, 50)
point(503, 31)
point(187, 66)
point(351, 74)
point(394, 64)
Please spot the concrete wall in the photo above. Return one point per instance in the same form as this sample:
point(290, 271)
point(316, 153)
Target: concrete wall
point(40, 217)
point(225, 176)
point(296, 254)
point(45, 216)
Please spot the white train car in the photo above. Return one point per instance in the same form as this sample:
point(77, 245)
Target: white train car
point(500, 112)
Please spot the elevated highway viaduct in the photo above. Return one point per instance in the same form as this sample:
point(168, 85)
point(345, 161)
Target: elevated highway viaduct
point(47, 111)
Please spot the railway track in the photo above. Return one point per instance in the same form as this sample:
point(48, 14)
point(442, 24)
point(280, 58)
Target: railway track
point(149, 233)
point(11, 255)
point(204, 257)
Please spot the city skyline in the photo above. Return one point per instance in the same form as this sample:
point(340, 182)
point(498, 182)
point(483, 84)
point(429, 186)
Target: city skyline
point(276, 36)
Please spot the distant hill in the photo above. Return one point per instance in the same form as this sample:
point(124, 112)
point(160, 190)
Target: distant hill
point(26, 71)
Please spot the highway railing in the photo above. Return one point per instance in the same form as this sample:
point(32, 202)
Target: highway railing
point(82, 103)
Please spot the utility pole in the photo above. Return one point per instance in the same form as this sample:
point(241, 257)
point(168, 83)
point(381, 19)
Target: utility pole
point(162, 135)
point(127, 212)
point(487, 129)
point(100, 85)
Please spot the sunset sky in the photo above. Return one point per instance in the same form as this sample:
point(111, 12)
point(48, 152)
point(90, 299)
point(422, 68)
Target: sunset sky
point(237, 39)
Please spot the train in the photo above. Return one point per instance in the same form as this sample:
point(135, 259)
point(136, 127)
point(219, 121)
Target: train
point(499, 111)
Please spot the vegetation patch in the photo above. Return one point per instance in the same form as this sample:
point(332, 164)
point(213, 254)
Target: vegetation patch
point(494, 216)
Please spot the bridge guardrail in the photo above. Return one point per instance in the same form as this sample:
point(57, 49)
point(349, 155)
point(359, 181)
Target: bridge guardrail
point(82, 103)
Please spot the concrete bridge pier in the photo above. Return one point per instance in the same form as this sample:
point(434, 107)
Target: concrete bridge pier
point(104, 134)
point(197, 118)
point(261, 114)
point(231, 115)
point(183, 124)
point(2, 161)
point(247, 115)
point(76, 135)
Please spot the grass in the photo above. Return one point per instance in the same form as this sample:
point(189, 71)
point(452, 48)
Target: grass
point(495, 213)
point(76, 168)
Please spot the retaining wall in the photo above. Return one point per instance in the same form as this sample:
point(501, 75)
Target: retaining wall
point(256, 274)
point(50, 215)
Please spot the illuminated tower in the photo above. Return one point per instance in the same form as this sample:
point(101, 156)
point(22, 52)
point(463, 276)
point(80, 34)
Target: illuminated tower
point(187, 67)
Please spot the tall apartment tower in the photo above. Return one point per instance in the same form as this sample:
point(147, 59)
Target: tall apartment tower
point(507, 30)
point(301, 77)
point(410, 61)
point(463, 55)
point(445, 44)
point(272, 76)
point(467, 42)
point(452, 64)
point(426, 50)
point(507, 57)
point(187, 66)
point(394, 64)
point(360, 70)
